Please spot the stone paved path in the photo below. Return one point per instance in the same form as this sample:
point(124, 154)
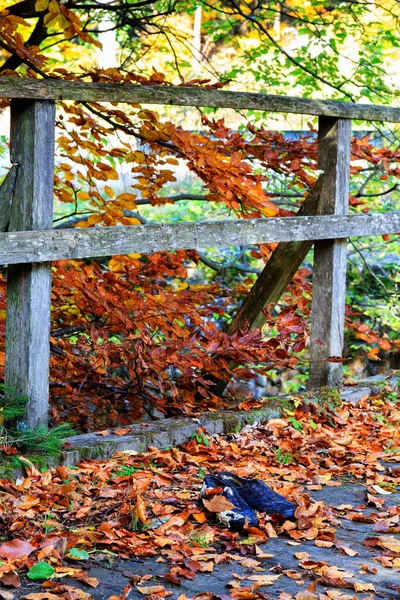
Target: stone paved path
point(114, 574)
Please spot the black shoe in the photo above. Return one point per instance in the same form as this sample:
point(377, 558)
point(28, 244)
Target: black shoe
point(235, 518)
point(257, 495)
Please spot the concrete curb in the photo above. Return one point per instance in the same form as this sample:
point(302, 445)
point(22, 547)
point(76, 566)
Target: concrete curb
point(161, 434)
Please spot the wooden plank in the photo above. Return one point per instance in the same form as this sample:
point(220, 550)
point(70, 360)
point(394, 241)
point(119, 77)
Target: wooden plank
point(330, 257)
point(278, 272)
point(54, 89)
point(29, 286)
point(6, 195)
point(37, 246)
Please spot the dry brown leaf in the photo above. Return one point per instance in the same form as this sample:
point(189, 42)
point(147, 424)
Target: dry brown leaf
point(246, 562)
point(62, 471)
point(10, 579)
point(218, 504)
point(270, 531)
point(261, 554)
point(41, 596)
point(345, 549)
point(199, 517)
point(312, 587)
point(292, 574)
point(233, 584)
point(91, 581)
point(323, 544)
point(16, 549)
point(28, 502)
point(390, 543)
point(150, 589)
point(396, 562)
point(207, 567)
point(139, 510)
point(124, 431)
point(368, 569)
point(363, 587)
point(264, 579)
point(344, 440)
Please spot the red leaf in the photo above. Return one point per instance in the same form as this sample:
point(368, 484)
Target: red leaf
point(16, 549)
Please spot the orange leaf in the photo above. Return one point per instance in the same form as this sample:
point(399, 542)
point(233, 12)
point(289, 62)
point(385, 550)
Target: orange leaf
point(200, 517)
point(218, 504)
point(373, 354)
point(11, 579)
point(122, 431)
point(140, 510)
point(42, 596)
point(363, 587)
point(150, 589)
point(16, 549)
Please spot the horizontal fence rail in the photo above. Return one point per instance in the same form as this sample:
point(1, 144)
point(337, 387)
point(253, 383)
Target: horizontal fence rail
point(52, 89)
point(47, 245)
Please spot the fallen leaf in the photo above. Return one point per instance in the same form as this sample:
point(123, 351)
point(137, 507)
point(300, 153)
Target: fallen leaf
point(345, 549)
point(122, 431)
point(150, 589)
point(245, 562)
point(323, 544)
point(368, 569)
point(344, 440)
point(380, 490)
point(10, 579)
point(264, 579)
point(16, 549)
point(218, 504)
point(42, 596)
point(199, 517)
point(363, 587)
point(390, 543)
point(139, 510)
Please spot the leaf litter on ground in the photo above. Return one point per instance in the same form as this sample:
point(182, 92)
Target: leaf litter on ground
point(146, 505)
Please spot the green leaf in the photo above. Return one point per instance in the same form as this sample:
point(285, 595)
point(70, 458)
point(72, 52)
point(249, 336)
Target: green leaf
point(42, 570)
point(295, 423)
point(78, 554)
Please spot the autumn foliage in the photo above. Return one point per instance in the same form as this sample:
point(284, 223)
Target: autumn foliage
point(120, 326)
point(146, 506)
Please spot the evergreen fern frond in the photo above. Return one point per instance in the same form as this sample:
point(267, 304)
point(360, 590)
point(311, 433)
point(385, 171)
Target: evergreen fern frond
point(42, 440)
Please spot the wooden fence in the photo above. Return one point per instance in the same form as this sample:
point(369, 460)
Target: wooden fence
point(28, 243)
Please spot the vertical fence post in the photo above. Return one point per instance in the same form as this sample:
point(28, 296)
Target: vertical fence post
point(29, 285)
point(329, 280)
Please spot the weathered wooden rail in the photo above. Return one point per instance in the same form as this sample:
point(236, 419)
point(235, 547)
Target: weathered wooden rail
point(28, 243)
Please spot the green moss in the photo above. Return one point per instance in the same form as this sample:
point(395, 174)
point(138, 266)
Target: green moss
point(232, 423)
point(327, 397)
